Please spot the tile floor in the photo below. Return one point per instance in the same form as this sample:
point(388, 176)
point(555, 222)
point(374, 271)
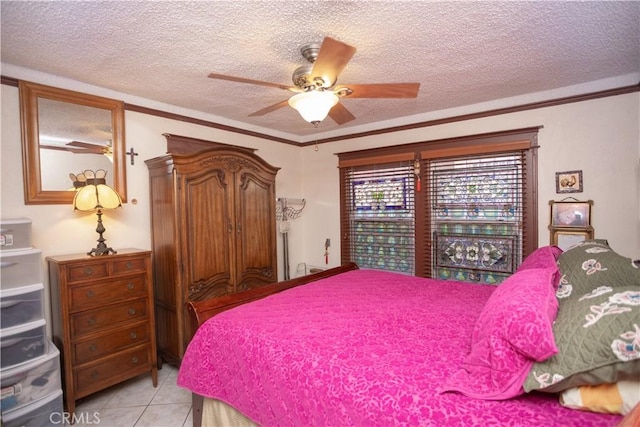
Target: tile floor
point(136, 403)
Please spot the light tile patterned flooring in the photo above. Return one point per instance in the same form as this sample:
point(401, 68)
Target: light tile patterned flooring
point(136, 403)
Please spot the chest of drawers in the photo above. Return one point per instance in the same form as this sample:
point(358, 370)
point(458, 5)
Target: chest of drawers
point(103, 320)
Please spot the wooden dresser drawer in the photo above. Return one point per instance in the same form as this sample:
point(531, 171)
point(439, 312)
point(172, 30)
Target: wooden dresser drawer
point(102, 293)
point(110, 316)
point(103, 345)
point(125, 364)
point(129, 265)
point(107, 267)
point(88, 271)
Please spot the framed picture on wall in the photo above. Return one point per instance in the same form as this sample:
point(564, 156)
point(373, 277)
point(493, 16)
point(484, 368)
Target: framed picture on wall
point(571, 214)
point(566, 238)
point(569, 182)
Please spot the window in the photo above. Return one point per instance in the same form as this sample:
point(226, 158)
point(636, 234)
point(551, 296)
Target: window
point(462, 208)
point(476, 216)
point(381, 220)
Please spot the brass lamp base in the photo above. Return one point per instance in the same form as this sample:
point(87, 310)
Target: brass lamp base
point(102, 248)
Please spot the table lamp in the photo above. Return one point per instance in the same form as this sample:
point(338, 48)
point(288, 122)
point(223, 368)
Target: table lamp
point(96, 195)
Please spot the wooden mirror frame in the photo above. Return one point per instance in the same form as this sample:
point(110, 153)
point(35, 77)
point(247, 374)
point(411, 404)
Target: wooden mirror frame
point(29, 94)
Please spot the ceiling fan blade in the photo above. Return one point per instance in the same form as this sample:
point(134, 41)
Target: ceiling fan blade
point(88, 147)
point(70, 149)
point(380, 90)
point(270, 108)
point(89, 150)
point(85, 145)
point(251, 81)
point(55, 147)
point(332, 58)
point(340, 114)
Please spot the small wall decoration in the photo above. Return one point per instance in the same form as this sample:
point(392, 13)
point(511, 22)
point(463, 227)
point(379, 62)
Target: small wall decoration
point(571, 214)
point(569, 182)
point(564, 239)
point(570, 222)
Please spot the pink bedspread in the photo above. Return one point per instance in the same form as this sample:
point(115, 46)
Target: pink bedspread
point(363, 348)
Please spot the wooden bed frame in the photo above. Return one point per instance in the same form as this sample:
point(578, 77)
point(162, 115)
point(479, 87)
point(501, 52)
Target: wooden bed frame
point(200, 311)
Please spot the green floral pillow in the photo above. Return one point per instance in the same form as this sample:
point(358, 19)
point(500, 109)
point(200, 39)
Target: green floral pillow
point(597, 330)
point(593, 263)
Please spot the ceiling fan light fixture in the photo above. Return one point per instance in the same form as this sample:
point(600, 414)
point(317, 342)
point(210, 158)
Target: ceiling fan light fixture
point(313, 105)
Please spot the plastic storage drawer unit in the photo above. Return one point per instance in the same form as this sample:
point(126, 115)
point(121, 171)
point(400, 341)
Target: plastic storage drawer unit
point(45, 412)
point(30, 381)
point(21, 305)
point(23, 343)
point(15, 234)
point(20, 268)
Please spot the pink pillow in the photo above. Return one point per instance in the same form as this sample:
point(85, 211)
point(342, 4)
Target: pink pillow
point(543, 257)
point(514, 330)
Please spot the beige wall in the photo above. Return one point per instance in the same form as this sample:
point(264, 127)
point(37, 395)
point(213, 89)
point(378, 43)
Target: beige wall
point(600, 137)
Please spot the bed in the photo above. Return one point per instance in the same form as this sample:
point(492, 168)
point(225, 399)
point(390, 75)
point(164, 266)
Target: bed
point(370, 348)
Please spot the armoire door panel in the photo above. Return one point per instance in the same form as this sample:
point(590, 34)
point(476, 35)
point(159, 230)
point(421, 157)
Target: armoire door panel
point(208, 247)
point(255, 204)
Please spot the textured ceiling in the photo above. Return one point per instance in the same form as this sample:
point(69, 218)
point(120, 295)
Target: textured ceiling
point(464, 54)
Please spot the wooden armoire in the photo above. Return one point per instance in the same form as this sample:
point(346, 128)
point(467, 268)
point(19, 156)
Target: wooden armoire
point(213, 232)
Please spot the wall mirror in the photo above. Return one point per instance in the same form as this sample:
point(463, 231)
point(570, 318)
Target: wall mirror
point(65, 133)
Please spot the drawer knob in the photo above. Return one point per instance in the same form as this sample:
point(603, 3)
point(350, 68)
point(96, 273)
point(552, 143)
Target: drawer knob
point(133, 335)
point(134, 359)
point(95, 374)
point(93, 347)
point(88, 271)
point(129, 265)
point(130, 286)
point(90, 294)
point(91, 321)
point(132, 311)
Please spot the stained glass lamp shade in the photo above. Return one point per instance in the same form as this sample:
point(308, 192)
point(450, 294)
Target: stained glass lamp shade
point(96, 197)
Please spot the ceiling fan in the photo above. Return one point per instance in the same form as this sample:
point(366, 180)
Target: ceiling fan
point(79, 147)
point(315, 84)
